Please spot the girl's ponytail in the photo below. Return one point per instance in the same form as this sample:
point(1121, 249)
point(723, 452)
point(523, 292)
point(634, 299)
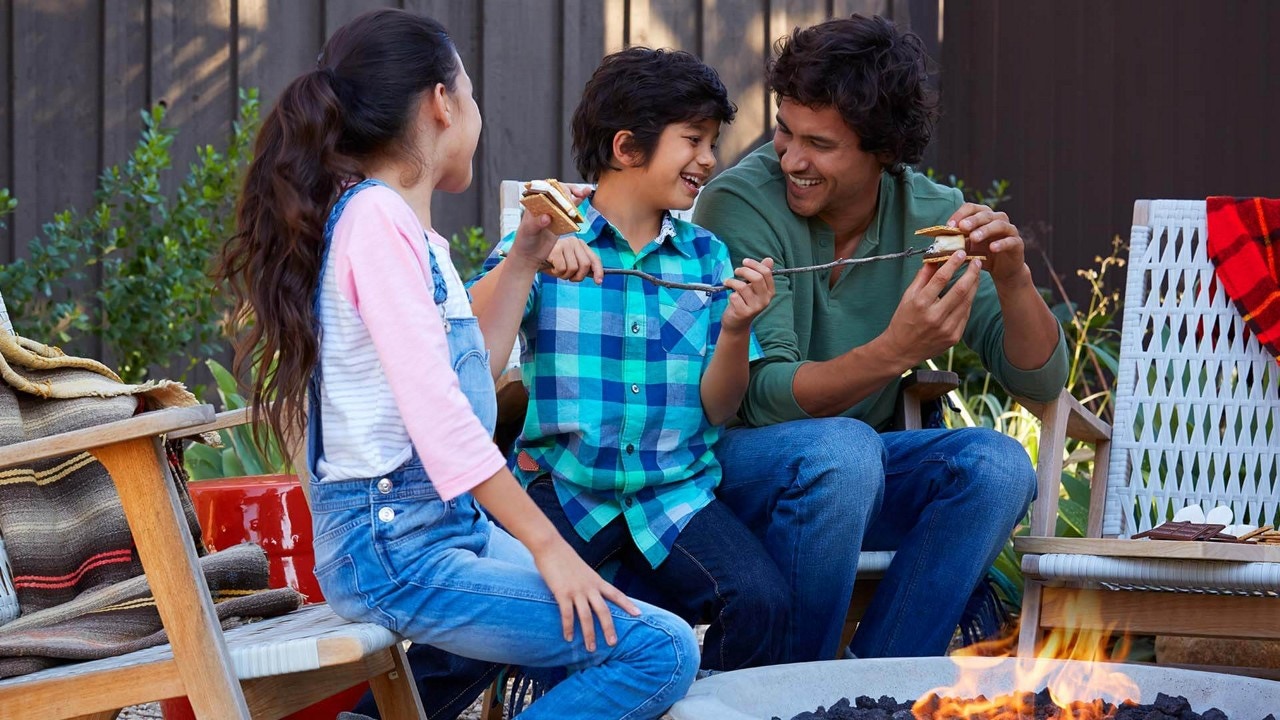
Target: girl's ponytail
point(354, 108)
point(273, 262)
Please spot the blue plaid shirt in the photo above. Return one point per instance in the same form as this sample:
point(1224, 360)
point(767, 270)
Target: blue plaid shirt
point(614, 376)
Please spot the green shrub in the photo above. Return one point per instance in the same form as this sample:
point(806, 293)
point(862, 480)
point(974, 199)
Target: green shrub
point(156, 306)
point(240, 455)
point(468, 250)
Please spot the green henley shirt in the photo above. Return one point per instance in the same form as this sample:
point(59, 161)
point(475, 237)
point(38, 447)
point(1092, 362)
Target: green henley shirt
point(809, 320)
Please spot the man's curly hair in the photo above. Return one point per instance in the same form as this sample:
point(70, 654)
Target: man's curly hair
point(872, 73)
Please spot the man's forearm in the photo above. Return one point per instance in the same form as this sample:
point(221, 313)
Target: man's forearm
point(827, 389)
point(1030, 329)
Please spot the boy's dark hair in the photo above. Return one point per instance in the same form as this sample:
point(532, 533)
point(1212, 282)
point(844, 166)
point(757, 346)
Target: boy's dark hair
point(644, 91)
point(872, 73)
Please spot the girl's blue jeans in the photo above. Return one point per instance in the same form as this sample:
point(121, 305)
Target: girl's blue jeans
point(439, 572)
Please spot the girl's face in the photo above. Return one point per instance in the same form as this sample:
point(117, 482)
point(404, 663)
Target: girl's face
point(681, 163)
point(462, 136)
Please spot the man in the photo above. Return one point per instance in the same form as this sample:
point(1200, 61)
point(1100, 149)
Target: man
point(810, 471)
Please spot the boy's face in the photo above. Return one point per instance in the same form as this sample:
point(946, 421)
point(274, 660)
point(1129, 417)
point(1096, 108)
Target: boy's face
point(827, 170)
point(681, 164)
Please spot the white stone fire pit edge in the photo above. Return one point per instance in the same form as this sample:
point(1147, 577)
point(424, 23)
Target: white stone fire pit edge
point(787, 690)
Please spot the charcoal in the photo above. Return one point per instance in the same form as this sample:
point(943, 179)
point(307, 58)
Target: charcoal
point(1170, 705)
point(1165, 707)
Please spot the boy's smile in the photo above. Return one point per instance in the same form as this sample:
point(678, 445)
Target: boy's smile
point(681, 164)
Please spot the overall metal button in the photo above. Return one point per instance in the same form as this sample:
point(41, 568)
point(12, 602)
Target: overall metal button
point(635, 328)
point(384, 486)
point(386, 514)
point(635, 388)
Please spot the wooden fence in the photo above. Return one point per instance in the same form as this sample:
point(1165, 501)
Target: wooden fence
point(1083, 106)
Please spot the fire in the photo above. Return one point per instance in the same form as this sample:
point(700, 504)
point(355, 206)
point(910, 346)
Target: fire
point(1079, 688)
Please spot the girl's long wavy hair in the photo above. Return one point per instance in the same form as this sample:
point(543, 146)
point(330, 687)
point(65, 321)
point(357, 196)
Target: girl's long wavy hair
point(355, 107)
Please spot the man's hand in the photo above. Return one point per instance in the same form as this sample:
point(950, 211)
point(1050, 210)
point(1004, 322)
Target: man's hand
point(930, 319)
point(1004, 247)
point(752, 290)
point(572, 259)
point(581, 593)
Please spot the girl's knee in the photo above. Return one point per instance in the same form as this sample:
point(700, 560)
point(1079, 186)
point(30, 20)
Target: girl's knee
point(666, 650)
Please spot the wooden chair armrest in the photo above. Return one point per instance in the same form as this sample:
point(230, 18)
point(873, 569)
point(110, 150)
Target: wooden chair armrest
point(1081, 424)
point(1061, 418)
point(221, 421)
point(157, 422)
point(928, 385)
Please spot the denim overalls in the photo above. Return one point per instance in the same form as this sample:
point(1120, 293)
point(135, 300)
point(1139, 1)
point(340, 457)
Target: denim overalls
point(390, 551)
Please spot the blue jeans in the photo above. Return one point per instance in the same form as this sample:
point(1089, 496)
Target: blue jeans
point(817, 490)
point(440, 573)
point(717, 572)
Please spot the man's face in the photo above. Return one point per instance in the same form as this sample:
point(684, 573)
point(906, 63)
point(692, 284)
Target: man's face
point(827, 172)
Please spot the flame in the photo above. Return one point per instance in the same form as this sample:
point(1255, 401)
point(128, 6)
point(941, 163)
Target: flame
point(1078, 688)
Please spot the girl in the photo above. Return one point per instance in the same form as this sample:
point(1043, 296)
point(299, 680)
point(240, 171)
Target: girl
point(364, 316)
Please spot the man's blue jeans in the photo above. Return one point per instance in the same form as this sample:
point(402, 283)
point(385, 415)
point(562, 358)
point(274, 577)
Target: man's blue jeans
point(815, 491)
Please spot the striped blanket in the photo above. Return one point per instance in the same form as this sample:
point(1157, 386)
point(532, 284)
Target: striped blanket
point(75, 570)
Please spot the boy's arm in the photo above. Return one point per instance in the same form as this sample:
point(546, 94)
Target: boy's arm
point(724, 382)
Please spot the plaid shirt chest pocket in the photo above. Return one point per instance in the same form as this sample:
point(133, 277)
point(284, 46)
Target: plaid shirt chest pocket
point(685, 321)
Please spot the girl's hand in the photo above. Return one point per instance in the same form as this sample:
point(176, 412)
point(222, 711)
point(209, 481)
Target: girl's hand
point(752, 290)
point(580, 593)
point(572, 259)
point(533, 241)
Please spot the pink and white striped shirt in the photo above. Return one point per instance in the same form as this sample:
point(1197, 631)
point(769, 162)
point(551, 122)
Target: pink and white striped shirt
point(387, 380)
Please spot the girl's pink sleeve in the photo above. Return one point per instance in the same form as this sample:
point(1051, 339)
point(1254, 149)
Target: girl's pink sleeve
point(384, 271)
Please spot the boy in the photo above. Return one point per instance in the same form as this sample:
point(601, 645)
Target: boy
point(630, 382)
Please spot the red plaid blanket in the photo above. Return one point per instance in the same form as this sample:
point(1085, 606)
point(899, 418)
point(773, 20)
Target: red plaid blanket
point(1244, 245)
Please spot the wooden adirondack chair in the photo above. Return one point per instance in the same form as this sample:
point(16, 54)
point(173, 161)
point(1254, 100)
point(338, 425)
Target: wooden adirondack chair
point(1197, 422)
point(265, 669)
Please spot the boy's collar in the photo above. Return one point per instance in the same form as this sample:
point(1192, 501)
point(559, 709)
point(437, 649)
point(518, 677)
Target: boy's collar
point(669, 232)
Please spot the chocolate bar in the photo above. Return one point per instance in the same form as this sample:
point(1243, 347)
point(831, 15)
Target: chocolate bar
point(1183, 531)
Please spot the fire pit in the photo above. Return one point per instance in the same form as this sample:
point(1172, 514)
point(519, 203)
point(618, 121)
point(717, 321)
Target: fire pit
point(788, 690)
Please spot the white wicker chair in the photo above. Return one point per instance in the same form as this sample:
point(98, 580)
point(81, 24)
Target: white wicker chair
point(1197, 422)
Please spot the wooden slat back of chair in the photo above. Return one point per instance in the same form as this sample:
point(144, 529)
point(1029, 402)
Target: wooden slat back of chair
point(1197, 414)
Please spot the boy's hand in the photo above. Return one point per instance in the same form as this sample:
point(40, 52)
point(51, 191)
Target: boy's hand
point(752, 290)
point(572, 259)
point(581, 593)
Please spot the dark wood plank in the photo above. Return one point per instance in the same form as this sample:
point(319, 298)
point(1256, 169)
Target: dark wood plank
point(277, 41)
point(450, 214)
point(338, 12)
point(522, 94)
point(733, 41)
point(6, 126)
point(676, 24)
point(55, 121)
point(583, 30)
